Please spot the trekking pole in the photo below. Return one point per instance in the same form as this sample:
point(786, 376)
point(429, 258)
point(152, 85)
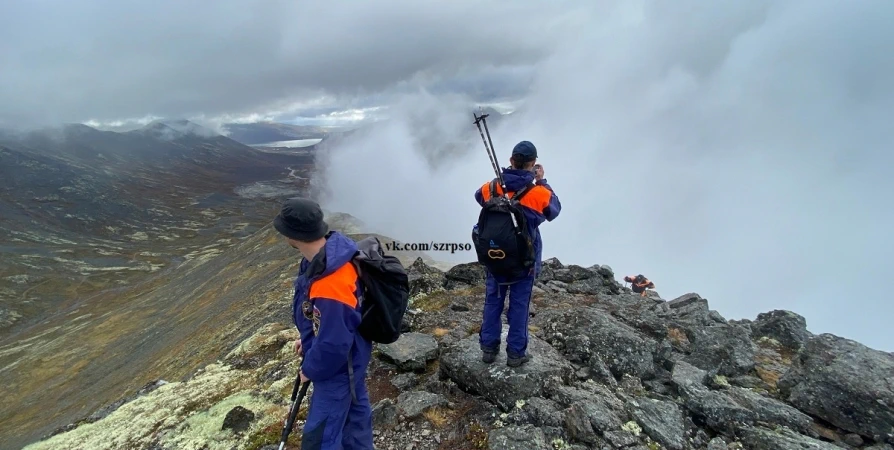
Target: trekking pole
point(494, 151)
point(297, 397)
point(490, 154)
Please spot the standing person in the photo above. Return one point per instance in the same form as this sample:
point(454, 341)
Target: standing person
point(325, 311)
point(539, 204)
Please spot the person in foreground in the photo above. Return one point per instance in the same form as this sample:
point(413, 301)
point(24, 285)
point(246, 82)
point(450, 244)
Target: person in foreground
point(325, 311)
point(539, 204)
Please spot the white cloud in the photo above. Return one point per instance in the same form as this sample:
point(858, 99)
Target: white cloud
point(738, 150)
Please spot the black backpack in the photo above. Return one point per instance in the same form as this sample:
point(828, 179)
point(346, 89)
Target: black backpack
point(386, 292)
point(504, 247)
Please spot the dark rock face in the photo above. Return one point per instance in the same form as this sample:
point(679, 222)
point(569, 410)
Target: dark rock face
point(598, 337)
point(845, 383)
point(725, 347)
point(238, 419)
point(464, 274)
point(786, 327)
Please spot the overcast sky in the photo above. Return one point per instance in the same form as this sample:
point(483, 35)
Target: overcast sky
point(736, 149)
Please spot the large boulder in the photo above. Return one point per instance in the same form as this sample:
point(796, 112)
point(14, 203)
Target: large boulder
point(845, 383)
point(661, 420)
point(727, 348)
point(619, 346)
point(732, 407)
point(464, 275)
point(424, 279)
point(498, 383)
point(411, 351)
point(786, 327)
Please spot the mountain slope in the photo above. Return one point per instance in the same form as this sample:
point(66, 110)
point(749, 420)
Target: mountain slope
point(92, 353)
point(611, 369)
point(83, 210)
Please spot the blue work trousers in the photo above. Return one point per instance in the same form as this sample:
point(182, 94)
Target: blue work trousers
point(519, 308)
point(333, 422)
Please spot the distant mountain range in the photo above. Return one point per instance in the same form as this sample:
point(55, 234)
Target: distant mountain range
point(83, 209)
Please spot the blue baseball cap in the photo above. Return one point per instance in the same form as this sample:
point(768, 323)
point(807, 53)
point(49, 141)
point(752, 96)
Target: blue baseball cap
point(524, 151)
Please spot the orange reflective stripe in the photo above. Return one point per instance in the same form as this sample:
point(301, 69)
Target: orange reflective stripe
point(537, 198)
point(485, 191)
point(339, 286)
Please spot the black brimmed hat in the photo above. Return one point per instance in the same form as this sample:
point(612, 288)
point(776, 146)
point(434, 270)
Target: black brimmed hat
point(301, 219)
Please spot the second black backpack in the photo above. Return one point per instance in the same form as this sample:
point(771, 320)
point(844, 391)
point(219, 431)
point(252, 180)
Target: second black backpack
point(503, 245)
point(386, 292)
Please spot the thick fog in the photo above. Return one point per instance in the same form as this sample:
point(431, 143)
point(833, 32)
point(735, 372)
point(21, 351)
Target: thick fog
point(740, 150)
point(737, 149)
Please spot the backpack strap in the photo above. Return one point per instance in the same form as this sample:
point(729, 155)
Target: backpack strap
point(521, 193)
point(493, 189)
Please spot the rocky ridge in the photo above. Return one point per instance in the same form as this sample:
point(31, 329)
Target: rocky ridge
point(610, 370)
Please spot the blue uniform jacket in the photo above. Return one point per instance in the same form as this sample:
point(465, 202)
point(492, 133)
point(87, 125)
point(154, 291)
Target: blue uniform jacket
point(325, 311)
point(540, 204)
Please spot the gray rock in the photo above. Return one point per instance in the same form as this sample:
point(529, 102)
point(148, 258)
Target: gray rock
point(770, 410)
point(717, 444)
point(577, 423)
point(423, 278)
point(747, 381)
point(689, 302)
point(661, 420)
point(719, 411)
point(404, 381)
point(542, 412)
point(726, 347)
point(621, 438)
point(845, 383)
point(881, 446)
point(468, 274)
point(716, 317)
point(759, 438)
point(785, 327)
point(412, 404)
point(605, 411)
point(618, 345)
point(725, 409)
point(411, 351)
point(688, 378)
point(525, 437)
point(854, 440)
point(385, 414)
point(498, 383)
point(238, 419)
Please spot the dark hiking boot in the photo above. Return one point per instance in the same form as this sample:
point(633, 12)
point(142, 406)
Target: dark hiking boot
point(515, 361)
point(488, 357)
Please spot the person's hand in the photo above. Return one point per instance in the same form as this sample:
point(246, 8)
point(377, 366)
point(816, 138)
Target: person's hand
point(538, 172)
point(304, 379)
point(298, 347)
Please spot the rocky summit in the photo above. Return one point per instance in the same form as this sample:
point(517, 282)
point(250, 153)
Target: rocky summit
point(610, 370)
